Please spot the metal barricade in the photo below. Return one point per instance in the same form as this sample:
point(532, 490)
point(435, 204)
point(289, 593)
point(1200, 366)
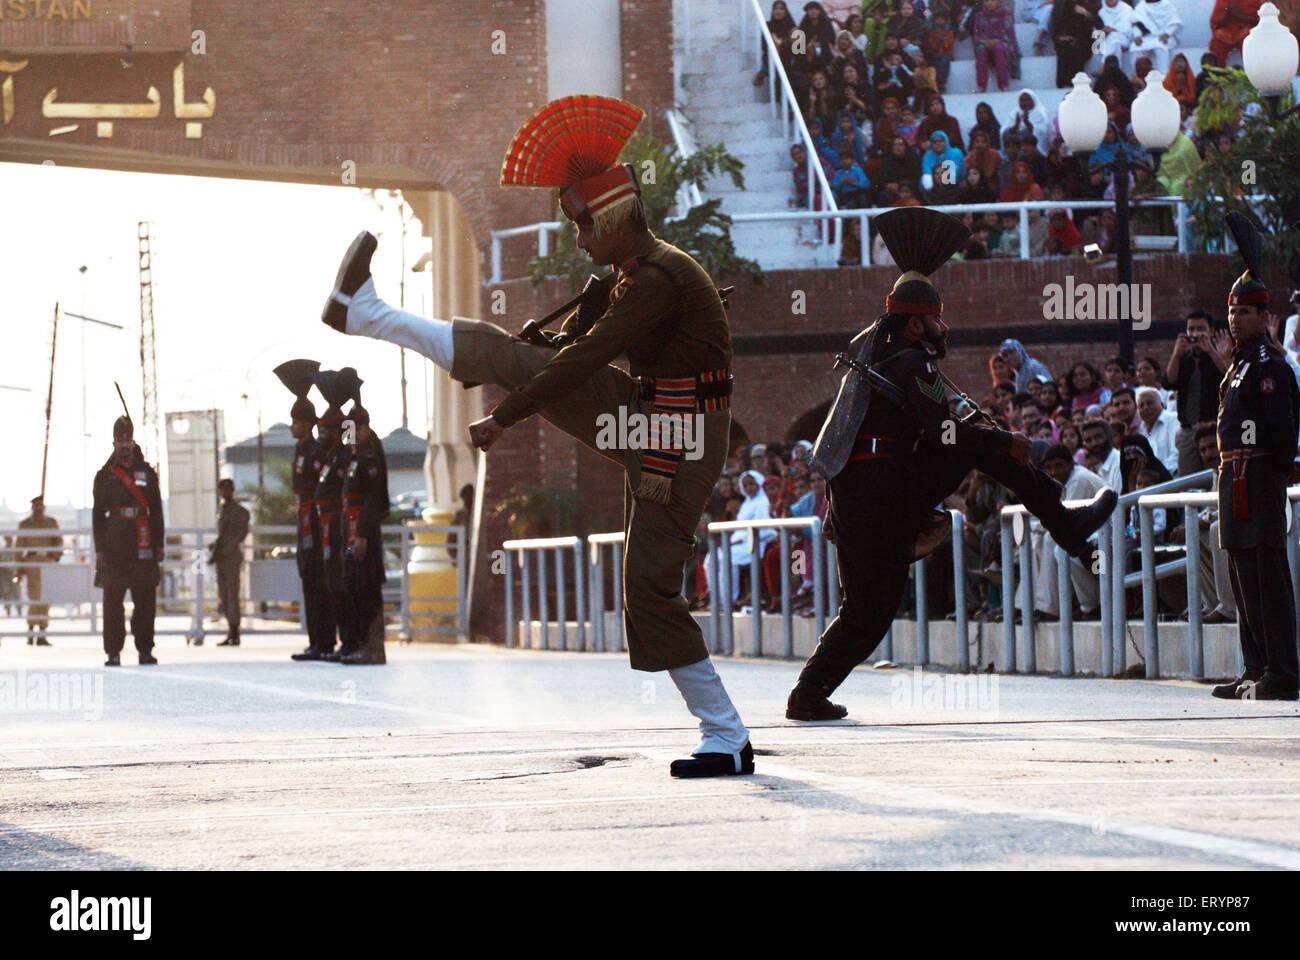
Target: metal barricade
point(559, 548)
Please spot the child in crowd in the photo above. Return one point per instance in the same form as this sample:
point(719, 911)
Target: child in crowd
point(908, 124)
point(939, 41)
point(924, 80)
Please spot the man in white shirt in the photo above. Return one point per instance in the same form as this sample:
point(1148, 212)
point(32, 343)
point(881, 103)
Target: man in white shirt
point(1291, 336)
point(1103, 458)
point(1077, 483)
point(1159, 426)
point(1117, 24)
point(1157, 31)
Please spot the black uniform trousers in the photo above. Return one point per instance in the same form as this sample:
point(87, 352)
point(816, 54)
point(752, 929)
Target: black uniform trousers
point(142, 581)
point(336, 606)
point(364, 594)
point(876, 507)
point(1261, 586)
point(318, 608)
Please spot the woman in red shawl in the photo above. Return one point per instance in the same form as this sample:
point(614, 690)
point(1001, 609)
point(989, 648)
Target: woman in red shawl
point(1181, 82)
point(937, 118)
point(1062, 228)
point(1022, 186)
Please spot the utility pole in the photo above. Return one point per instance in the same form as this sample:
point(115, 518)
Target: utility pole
point(49, 400)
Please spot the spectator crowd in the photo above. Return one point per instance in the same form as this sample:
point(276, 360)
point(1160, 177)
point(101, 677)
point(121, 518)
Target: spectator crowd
point(871, 88)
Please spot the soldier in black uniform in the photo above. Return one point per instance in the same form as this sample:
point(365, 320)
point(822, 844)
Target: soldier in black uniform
point(336, 386)
point(1257, 446)
point(365, 504)
point(308, 461)
point(128, 528)
point(892, 451)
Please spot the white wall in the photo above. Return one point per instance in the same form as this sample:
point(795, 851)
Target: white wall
point(583, 48)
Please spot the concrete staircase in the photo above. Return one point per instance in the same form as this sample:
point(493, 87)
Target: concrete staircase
point(716, 60)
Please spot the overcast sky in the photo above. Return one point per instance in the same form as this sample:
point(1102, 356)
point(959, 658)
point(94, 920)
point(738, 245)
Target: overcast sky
point(241, 270)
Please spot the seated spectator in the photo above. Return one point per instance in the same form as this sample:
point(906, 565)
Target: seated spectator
point(847, 138)
point(889, 118)
point(983, 156)
point(902, 164)
point(850, 184)
point(820, 101)
point(1102, 458)
point(1157, 31)
point(821, 140)
point(1117, 25)
point(888, 49)
point(977, 247)
point(942, 166)
point(799, 155)
point(1066, 234)
point(1025, 367)
point(1112, 75)
point(1030, 120)
point(939, 43)
point(909, 28)
point(908, 124)
point(1100, 229)
point(907, 196)
point(1041, 14)
point(1230, 22)
point(1072, 440)
point(1049, 398)
point(854, 94)
point(817, 26)
point(999, 370)
point(892, 79)
point(1204, 78)
point(1178, 165)
point(925, 81)
point(1022, 186)
point(1180, 81)
point(993, 32)
point(851, 245)
point(1071, 26)
point(853, 24)
point(1037, 162)
point(779, 25)
point(1146, 373)
point(1217, 602)
point(976, 189)
point(1010, 156)
point(1158, 426)
point(1123, 415)
point(986, 121)
point(1116, 376)
point(1008, 244)
point(843, 55)
point(937, 118)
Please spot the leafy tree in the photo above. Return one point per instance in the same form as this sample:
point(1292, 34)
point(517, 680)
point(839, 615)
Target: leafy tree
point(1262, 161)
point(703, 231)
point(550, 509)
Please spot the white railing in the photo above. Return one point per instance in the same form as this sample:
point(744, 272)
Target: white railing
point(688, 195)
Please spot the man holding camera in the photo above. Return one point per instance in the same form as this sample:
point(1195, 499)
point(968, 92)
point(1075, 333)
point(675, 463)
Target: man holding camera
point(1194, 370)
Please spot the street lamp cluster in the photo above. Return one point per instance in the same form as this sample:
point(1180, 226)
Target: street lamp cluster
point(1270, 57)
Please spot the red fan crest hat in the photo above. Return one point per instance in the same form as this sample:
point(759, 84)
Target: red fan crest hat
point(573, 144)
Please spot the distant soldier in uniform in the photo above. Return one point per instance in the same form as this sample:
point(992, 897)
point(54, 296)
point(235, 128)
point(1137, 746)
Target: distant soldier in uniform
point(893, 450)
point(659, 309)
point(308, 460)
point(365, 504)
point(1257, 447)
point(226, 553)
point(336, 386)
point(38, 550)
point(128, 526)
point(10, 593)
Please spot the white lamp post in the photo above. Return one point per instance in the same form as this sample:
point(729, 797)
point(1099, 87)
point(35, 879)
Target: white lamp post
point(1270, 56)
point(1156, 121)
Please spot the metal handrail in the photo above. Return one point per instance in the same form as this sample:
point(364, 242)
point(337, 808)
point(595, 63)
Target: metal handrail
point(540, 546)
point(685, 148)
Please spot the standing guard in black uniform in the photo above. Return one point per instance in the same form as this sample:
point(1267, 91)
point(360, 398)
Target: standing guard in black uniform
point(308, 460)
point(1257, 447)
point(128, 528)
point(336, 386)
point(365, 504)
point(892, 451)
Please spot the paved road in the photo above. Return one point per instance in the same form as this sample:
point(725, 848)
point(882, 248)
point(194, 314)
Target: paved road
point(478, 757)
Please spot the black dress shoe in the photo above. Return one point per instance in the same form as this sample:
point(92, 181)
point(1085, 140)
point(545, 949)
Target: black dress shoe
point(1229, 690)
point(334, 656)
point(1081, 522)
point(353, 272)
point(311, 653)
point(42, 642)
point(147, 659)
point(714, 764)
point(1269, 687)
point(359, 658)
point(806, 704)
point(229, 642)
point(114, 660)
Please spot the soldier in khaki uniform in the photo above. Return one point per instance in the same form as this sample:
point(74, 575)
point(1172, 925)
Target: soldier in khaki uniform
point(38, 550)
point(661, 310)
point(226, 553)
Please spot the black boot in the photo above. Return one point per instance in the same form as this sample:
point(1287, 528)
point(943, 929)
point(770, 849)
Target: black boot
point(1072, 530)
point(114, 660)
point(311, 653)
point(232, 639)
point(714, 764)
point(147, 659)
point(1228, 691)
point(807, 703)
point(1269, 687)
point(353, 272)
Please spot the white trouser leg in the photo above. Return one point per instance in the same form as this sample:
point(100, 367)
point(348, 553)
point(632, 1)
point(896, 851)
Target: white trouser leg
point(368, 316)
point(720, 728)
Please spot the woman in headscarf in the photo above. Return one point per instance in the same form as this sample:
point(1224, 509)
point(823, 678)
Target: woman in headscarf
point(779, 24)
point(1180, 81)
point(942, 166)
point(938, 118)
point(1116, 112)
point(909, 28)
point(890, 114)
point(901, 165)
point(1026, 367)
point(854, 94)
point(975, 187)
point(993, 32)
point(1113, 76)
point(1022, 186)
point(986, 120)
point(755, 507)
point(1204, 79)
point(817, 26)
point(844, 55)
point(1063, 229)
point(1136, 455)
point(1072, 24)
point(1031, 120)
point(822, 142)
point(998, 369)
point(1106, 150)
point(848, 137)
point(1180, 162)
